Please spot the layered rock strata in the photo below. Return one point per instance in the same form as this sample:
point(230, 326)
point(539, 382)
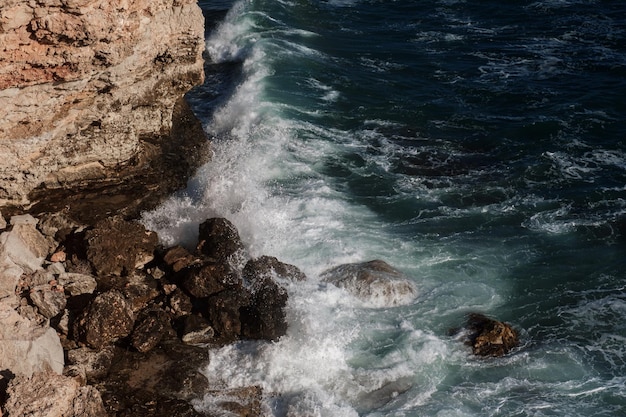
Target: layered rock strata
point(91, 100)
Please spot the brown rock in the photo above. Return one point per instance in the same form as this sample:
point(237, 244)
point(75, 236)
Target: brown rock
point(264, 318)
point(210, 279)
point(218, 239)
point(179, 258)
point(224, 312)
point(490, 337)
point(197, 331)
point(269, 266)
point(50, 395)
point(180, 303)
point(108, 317)
point(94, 363)
point(118, 247)
point(149, 330)
point(50, 301)
point(238, 402)
point(140, 290)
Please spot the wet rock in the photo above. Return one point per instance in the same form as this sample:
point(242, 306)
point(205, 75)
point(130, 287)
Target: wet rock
point(26, 346)
point(269, 266)
point(210, 279)
point(224, 312)
point(149, 329)
point(236, 402)
point(197, 331)
point(489, 337)
point(264, 318)
point(218, 239)
point(108, 317)
point(118, 247)
point(375, 282)
point(49, 395)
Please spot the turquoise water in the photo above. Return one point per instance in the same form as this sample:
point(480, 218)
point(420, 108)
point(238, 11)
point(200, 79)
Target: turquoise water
point(476, 146)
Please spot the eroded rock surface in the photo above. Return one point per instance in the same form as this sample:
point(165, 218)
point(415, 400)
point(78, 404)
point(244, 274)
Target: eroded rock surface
point(91, 97)
point(489, 337)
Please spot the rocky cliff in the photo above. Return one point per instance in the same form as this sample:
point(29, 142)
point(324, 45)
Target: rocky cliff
point(91, 99)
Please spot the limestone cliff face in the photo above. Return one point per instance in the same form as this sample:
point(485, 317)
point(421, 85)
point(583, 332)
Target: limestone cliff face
point(88, 90)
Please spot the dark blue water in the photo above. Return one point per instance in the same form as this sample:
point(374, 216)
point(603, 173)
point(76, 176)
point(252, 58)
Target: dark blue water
point(479, 147)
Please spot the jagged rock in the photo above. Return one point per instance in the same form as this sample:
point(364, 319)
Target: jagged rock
point(149, 329)
point(180, 303)
point(22, 251)
point(218, 239)
point(118, 247)
point(224, 312)
point(140, 290)
point(264, 317)
point(489, 337)
point(88, 93)
point(49, 300)
point(210, 279)
point(49, 395)
point(77, 284)
point(197, 331)
point(375, 282)
point(3, 222)
point(108, 317)
point(179, 258)
point(94, 363)
point(236, 402)
point(27, 347)
point(269, 266)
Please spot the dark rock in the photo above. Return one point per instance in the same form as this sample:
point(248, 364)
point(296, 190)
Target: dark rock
point(210, 279)
point(197, 330)
point(264, 318)
point(108, 317)
point(489, 337)
point(179, 258)
point(140, 289)
point(269, 266)
point(180, 303)
point(94, 363)
point(218, 239)
point(150, 328)
point(237, 402)
point(224, 311)
point(118, 247)
point(375, 281)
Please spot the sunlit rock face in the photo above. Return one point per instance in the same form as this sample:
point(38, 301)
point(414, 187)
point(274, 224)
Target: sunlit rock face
point(90, 92)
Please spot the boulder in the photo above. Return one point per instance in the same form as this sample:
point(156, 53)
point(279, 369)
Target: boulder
point(211, 278)
point(179, 258)
point(197, 331)
point(95, 364)
point(49, 300)
point(375, 282)
point(218, 239)
point(264, 317)
point(46, 394)
point(118, 247)
point(150, 328)
point(489, 337)
point(269, 266)
point(224, 313)
point(27, 347)
point(107, 318)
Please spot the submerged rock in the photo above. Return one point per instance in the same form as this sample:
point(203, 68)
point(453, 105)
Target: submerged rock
point(489, 337)
point(375, 282)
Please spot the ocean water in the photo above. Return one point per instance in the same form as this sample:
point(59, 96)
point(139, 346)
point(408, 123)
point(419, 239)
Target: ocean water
point(479, 147)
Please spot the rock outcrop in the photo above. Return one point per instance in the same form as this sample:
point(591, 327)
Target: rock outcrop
point(91, 100)
point(489, 337)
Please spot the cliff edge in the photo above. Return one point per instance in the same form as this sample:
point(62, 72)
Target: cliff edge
point(91, 102)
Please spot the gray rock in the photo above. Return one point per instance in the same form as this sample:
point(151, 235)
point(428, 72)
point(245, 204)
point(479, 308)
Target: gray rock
point(77, 284)
point(50, 301)
point(45, 394)
point(27, 347)
point(375, 282)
